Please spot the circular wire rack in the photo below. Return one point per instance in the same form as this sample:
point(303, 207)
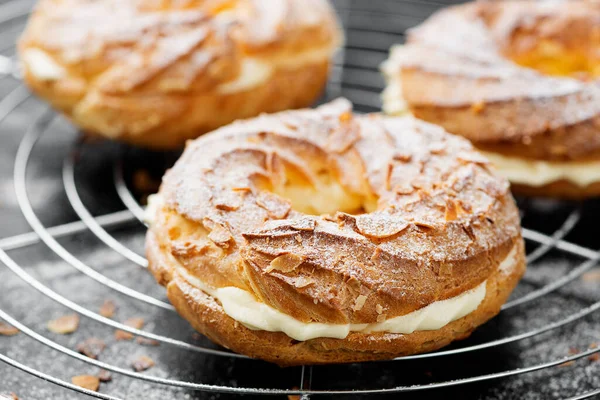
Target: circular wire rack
point(558, 266)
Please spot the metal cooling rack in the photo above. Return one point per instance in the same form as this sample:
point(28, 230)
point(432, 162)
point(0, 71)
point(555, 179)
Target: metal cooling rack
point(372, 27)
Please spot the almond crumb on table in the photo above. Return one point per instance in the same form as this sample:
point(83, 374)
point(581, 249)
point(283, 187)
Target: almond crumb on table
point(104, 376)
point(107, 309)
point(89, 382)
point(122, 335)
point(64, 325)
point(146, 342)
point(91, 347)
point(135, 323)
point(7, 330)
point(142, 363)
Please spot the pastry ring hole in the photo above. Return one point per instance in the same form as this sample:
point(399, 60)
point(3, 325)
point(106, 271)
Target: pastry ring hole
point(318, 191)
point(553, 58)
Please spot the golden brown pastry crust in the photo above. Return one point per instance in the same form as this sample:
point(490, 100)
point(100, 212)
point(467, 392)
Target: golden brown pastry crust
point(463, 56)
point(442, 225)
point(151, 73)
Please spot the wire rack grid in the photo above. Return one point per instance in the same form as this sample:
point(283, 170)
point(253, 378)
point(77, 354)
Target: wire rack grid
point(371, 28)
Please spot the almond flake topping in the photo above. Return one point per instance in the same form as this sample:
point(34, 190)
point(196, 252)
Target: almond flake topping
point(359, 303)
point(380, 225)
point(285, 263)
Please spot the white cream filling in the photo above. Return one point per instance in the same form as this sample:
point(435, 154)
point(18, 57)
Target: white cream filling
point(255, 72)
point(243, 307)
point(392, 96)
point(539, 173)
point(393, 99)
point(154, 202)
point(42, 66)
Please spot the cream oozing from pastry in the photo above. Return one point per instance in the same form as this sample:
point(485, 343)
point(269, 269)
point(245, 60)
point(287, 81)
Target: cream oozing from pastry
point(244, 307)
point(540, 173)
point(42, 66)
point(255, 72)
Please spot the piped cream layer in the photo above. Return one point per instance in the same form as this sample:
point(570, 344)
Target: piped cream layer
point(254, 71)
point(539, 173)
point(245, 308)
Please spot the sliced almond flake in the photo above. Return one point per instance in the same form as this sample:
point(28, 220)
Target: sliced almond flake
point(438, 148)
point(122, 335)
point(228, 200)
point(381, 317)
point(302, 282)
point(380, 225)
point(591, 276)
point(388, 176)
point(108, 309)
point(378, 308)
point(88, 382)
point(276, 206)
point(220, 235)
point(136, 322)
point(285, 263)
point(304, 224)
point(359, 303)
point(146, 341)
point(404, 189)
point(468, 229)
point(402, 156)
point(566, 364)
point(423, 223)
point(342, 138)
point(451, 211)
point(142, 363)
point(104, 376)
point(91, 347)
point(64, 325)
point(7, 330)
point(191, 249)
point(298, 238)
point(472, 157)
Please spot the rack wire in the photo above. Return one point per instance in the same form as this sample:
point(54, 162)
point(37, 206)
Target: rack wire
point(371, 28)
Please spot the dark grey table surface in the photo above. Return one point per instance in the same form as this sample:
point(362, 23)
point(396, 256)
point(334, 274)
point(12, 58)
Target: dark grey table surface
point(94, 181)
